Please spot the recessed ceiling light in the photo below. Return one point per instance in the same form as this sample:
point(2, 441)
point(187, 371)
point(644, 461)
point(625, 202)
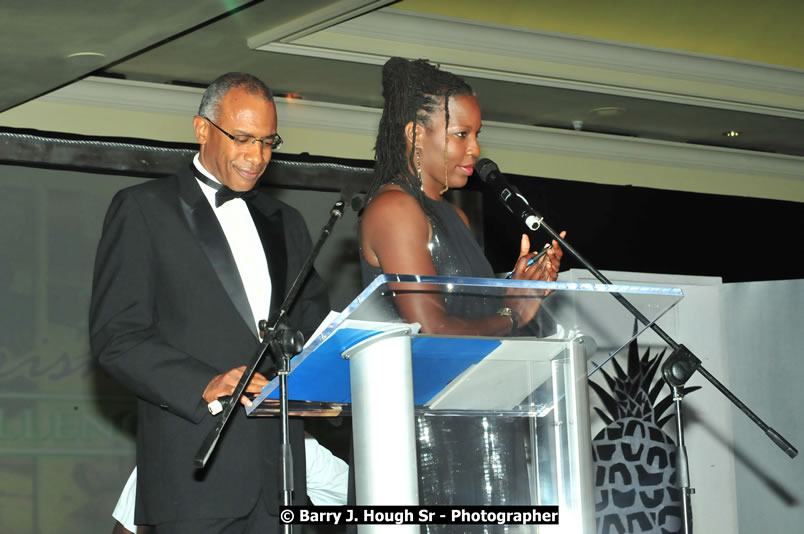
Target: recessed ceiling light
point(732, 133)
point(610, 111)
point(88, 59)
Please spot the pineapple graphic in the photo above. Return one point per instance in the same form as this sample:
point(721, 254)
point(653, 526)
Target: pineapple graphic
point(636, 483)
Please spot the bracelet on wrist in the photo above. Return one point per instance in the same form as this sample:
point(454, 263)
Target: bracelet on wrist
point(509, 312)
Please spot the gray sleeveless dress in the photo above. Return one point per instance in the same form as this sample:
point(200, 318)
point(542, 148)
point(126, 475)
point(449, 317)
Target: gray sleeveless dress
point(465, 460)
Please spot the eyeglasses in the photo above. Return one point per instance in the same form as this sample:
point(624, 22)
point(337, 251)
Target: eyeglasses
point(244, 141)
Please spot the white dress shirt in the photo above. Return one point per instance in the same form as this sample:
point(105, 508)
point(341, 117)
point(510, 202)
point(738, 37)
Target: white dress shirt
point(246, 247)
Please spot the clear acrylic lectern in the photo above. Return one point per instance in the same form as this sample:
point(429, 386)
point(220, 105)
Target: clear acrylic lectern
point(465, 419)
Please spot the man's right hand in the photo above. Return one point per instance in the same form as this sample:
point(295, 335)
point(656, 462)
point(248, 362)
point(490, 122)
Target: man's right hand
point(224, 385)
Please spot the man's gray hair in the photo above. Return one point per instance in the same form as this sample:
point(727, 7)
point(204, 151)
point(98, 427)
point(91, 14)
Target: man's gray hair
point(210, 102)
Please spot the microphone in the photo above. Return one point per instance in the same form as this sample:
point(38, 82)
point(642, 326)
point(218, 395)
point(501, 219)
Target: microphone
point(509, 195)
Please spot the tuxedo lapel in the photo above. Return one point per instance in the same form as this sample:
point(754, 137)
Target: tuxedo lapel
point(270, 228)
point(207, 230)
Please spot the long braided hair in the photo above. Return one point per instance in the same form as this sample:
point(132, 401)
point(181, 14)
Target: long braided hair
point(413, 91)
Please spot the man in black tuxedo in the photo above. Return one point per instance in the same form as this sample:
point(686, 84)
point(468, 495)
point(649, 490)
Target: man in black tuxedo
point(186, 267)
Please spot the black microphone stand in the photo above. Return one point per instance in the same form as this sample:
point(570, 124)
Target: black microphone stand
point(283, 344)
point(676, 370)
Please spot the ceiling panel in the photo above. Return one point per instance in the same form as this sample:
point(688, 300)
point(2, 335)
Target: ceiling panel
point(38, 38)
point(149, 41)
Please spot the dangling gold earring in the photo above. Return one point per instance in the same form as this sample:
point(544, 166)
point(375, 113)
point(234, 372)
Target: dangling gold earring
point(419, 168)
point(446, 174)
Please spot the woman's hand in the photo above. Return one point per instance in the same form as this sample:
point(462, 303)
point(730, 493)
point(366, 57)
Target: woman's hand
point(526, 302)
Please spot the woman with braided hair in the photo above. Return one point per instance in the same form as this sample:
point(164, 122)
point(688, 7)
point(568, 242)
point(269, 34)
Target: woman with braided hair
point(427, 143)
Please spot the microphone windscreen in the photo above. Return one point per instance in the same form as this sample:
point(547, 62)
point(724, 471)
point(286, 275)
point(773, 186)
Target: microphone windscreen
point(357, 202)
point(484, 167)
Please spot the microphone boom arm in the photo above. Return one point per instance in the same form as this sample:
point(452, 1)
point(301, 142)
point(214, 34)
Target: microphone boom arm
point(682, 363)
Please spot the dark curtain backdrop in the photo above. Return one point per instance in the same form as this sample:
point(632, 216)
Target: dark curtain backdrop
point(626, 228)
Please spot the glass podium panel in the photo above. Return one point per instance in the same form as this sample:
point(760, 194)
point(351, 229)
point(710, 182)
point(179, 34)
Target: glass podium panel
point(443, 415)
point(568, 312)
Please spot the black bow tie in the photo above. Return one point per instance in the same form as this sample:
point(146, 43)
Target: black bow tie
point(223, 193)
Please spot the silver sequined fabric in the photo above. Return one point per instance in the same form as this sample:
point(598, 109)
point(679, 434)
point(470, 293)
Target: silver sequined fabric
point(470, 460)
